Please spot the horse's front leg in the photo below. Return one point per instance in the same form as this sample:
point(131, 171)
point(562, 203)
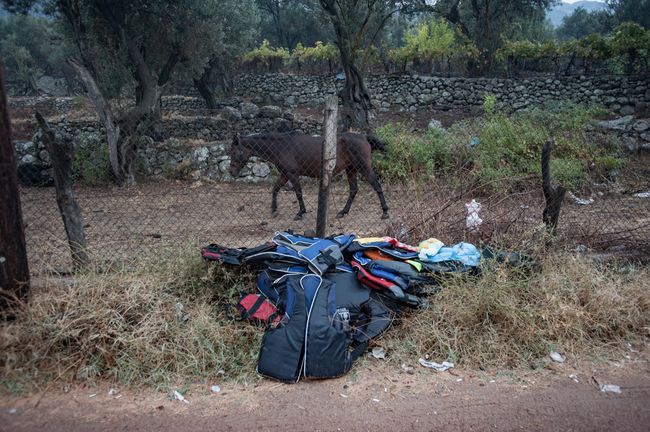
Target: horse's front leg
point(274, 197)
point(298, 190)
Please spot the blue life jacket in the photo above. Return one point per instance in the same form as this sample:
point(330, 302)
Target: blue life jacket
point(314, 338)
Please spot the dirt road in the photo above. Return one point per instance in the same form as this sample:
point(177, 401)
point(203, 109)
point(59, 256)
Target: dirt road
point(368, 399)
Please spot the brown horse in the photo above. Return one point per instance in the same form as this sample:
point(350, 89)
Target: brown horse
point(296, 155)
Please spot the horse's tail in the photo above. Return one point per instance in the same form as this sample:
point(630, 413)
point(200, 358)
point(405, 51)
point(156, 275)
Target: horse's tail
point(375, 144)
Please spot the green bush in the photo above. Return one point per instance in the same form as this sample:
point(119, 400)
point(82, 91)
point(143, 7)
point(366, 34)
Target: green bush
point(413, 156)
point(91, 163)
point(507, 151)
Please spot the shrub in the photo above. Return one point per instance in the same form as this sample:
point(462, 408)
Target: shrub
point(507, 154)
point(91, 161)
point(417, 157)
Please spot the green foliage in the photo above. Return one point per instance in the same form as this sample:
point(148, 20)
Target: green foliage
point(433, 40)
point(30, 47)
point(629, 43)
point(632, 41)
point(267, 56)
point(507, 156)
point(413, 156)
point(316, 56)
point(582, 23)
point(489, 104)
point(91, 163)
point(637, 11)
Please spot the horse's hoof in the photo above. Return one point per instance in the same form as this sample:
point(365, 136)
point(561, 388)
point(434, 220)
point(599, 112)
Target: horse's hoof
point(298, 217)
point(385, 216)
point(340, 215)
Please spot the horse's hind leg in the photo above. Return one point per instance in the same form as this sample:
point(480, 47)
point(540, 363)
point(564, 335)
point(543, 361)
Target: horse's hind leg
point(294, 179)
point(282, 180)
point(352, 181)
point(371, 178)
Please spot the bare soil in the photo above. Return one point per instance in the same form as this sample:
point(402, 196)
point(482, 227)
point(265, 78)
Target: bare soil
point(128, 222)
point(373, 397)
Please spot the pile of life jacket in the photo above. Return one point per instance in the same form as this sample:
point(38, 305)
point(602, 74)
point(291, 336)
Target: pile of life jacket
point(324, 299)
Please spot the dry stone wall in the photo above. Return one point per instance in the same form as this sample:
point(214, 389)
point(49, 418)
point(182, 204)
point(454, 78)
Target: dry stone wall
point(622, 94)
point(194, 146)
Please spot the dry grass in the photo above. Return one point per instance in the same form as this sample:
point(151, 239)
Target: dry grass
point(512, 318)
point(123, 326)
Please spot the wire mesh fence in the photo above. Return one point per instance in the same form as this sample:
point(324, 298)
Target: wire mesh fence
point(122, 223)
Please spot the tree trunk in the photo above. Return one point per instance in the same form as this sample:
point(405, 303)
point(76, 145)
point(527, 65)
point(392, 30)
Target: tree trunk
point(105, 115)
point(356, 100)
point(61, 153)
point(14, 271)
point(203, 86)
point(206, 93)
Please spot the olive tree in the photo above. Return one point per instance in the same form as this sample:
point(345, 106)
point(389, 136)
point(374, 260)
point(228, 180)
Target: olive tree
point(357, 24)
point(135, 46)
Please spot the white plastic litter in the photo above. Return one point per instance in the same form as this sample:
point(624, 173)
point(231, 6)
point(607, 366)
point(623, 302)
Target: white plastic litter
point(642, 194)
point(180, 397)
point(343, 395)
point(580, 201)
point(473, 221)
point(557, 357)
point(376, 400)
point(406, 368)
point(438, 367)
point(610, 388)
point(379, 353)
point(574, 377)
point(12, 411)
point(215, 389)
point(113, 391)
point(92, 395)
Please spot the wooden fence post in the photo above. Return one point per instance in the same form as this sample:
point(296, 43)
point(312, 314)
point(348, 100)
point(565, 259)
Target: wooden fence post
point(61, 152)
point(328, 162)
point(14, 271)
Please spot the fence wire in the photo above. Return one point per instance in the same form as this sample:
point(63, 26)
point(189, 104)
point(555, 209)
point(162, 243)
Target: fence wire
point(123, 223)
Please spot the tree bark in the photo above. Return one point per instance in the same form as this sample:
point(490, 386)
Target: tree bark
point(203, 86)
point(105, 115)
point(14, 271)
point(356, 100)
point(61, 152)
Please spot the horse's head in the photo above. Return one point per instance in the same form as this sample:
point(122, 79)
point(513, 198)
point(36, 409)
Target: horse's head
point(239, 155)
